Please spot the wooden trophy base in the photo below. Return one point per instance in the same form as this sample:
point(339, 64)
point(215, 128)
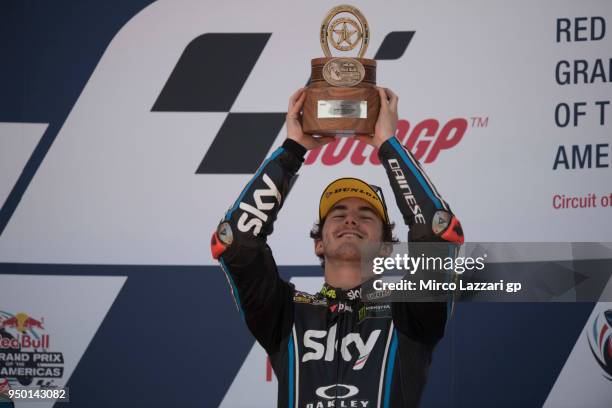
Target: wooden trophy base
point(341, 110)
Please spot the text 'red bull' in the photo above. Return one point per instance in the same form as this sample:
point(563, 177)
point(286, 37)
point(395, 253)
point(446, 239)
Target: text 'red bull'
point(24, 342)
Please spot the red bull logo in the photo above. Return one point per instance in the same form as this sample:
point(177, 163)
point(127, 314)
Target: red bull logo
point(25, 351)
point(22, 322)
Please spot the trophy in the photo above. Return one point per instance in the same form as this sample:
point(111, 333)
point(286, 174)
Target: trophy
point(341, 97)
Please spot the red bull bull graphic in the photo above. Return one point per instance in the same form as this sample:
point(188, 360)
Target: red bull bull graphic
point(22, 322)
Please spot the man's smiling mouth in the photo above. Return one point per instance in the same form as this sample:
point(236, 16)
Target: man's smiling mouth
point(353, 234)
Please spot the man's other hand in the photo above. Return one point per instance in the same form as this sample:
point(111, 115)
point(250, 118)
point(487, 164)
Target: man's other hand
point(294, 123)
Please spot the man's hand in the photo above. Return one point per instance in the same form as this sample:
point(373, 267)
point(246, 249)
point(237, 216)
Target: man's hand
point(386, 125)
point(294, 125)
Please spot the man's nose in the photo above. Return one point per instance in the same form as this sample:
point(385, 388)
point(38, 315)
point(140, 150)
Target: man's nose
point(350, 219)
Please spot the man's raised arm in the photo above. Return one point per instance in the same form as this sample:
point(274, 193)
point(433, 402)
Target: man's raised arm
point(428, 216)
point(239, 243)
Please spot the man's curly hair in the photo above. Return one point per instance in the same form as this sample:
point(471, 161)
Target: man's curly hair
point(387, 234)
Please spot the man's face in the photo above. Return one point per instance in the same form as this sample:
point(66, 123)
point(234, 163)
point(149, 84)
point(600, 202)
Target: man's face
point(349, 225)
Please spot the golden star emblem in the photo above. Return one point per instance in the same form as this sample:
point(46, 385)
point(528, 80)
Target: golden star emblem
point(344, 34)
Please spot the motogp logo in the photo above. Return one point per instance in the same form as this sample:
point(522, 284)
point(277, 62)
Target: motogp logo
point(426, 140)
point(600, 342)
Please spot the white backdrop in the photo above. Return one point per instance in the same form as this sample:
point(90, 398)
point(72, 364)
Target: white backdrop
point(119, 186)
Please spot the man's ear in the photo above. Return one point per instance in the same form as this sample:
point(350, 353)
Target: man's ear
point(318, 247)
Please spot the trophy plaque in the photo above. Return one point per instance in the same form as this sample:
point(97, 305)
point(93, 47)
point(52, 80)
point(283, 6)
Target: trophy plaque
point(341, 97)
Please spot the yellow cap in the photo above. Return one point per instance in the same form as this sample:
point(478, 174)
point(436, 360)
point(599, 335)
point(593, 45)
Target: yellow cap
point(348, 188)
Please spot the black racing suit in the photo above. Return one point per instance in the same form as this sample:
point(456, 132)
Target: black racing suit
point(334, 349)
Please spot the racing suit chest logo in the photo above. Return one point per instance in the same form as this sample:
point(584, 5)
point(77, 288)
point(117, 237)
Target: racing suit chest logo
point(259, 216)
point(326, 348)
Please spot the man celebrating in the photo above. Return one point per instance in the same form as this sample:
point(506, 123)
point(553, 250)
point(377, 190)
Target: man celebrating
point(335, 349)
